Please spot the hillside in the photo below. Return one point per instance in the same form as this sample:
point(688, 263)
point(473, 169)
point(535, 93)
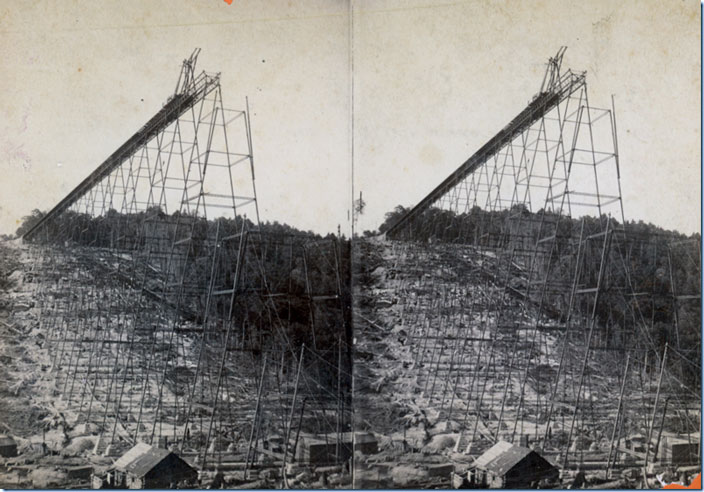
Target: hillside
point(101, 353)
point(451, 356)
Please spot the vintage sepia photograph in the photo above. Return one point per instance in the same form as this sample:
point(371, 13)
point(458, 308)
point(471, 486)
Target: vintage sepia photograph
point(345, 244)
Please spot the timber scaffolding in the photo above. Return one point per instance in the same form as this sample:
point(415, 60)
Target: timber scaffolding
point(512, 286)
point(170, 316)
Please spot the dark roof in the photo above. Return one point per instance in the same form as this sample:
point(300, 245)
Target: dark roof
point(141, 459)
point(7, 441)
point(502, 457)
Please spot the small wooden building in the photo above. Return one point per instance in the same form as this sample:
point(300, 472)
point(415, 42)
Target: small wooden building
point(679, 451)
point(8, 446)
point(508, 466)
point(147, 467)
point(331, 449)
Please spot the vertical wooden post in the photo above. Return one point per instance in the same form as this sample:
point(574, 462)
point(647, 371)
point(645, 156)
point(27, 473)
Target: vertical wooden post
point(254, 418)
point(618, 413)
point(655, 407)
point(290, 417)
point(662, 424)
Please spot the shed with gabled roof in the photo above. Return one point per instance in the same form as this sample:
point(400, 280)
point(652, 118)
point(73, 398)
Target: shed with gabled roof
point(508, 466)
point(148, 467)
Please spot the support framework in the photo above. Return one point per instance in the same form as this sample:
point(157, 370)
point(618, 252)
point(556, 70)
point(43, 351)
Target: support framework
point(172, 316)
point(527, 256)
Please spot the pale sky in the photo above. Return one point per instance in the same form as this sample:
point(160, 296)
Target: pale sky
point(80, 77)
point(433, 81)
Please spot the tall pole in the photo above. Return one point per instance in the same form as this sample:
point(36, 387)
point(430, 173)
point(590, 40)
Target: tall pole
point(618, 414)
point(662, 424)
point(290, 417)
point(254, 418)
point(655, 407)
point(592, 323)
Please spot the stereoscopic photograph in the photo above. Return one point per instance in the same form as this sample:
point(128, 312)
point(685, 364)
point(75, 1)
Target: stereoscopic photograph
point(346, 244)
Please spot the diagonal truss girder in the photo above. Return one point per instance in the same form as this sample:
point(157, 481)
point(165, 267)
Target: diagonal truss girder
point(193, 91)
point(559, 88)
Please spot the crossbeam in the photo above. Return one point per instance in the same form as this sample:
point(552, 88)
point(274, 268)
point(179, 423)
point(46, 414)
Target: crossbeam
point(177, 105)
point(545, 101)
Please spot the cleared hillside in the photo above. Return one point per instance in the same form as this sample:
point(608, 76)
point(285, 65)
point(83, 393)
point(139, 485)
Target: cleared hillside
point(452, 355)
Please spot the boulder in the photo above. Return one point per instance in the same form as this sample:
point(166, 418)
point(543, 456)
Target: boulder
point(408, 475)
